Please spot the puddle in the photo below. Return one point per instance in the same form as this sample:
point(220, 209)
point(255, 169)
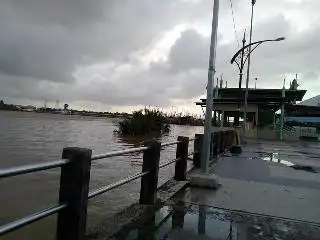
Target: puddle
point(274, 157)
point(202, 222)
point(304, 168)
point(177, 223)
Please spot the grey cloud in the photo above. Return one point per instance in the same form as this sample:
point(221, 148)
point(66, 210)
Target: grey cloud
point(190, 51)
point(61, 12)
point(43, 42)
point(271, 62)
point(46, 39)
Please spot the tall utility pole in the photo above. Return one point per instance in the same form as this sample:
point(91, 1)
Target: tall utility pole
point(211, 72)
point(283, 95)
point(253, 2)
point(237, 119)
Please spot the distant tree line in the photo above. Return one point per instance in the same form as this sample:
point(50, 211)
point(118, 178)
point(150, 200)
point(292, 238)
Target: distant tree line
point(8, 107)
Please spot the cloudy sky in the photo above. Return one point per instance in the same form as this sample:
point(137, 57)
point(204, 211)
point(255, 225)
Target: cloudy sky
point(119, 55)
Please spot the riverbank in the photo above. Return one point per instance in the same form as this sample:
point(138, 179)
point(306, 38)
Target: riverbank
point(176, 120)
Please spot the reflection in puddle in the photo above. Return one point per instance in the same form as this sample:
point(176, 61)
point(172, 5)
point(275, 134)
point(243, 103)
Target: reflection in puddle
point(203, 222)
point(274, 157)
point(178, 223)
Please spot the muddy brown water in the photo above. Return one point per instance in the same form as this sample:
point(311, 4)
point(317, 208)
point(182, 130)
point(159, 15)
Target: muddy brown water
point(32, 137)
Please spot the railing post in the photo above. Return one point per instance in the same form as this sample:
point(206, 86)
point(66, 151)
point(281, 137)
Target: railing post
point(180, 172)
point(197, 150)
point(211, 147)
point(216, 144)
point(221, 148)
point(227, 140)
point(74, 188)
point(149, 182)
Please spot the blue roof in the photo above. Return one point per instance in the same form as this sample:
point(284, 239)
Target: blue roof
point(302, 119)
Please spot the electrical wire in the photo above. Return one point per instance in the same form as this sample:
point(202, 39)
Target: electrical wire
point(234, 23)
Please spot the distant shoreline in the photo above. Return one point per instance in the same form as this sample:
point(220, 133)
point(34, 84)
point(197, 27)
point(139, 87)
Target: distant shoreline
point(187, 121)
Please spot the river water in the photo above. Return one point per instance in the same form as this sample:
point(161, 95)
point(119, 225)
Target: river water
point(32, 137)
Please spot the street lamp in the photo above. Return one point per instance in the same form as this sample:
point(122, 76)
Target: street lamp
point(255, 44)
point(241, 57)
point(253, 2)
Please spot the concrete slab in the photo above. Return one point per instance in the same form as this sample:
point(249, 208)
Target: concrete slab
point(250, 166)
point(262, 198)
point(290, 173)
point(193, 222)
point(203, 180)
point(252, 183)
point(256, 199)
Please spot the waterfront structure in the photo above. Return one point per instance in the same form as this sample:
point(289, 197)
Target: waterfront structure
point(262, 105)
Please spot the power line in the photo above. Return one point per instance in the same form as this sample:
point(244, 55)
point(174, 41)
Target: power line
point(234, 23)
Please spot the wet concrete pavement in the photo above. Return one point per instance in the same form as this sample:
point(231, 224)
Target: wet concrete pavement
point(261, 197)
point(194, 222)
point(256, 183)
point(269, 162)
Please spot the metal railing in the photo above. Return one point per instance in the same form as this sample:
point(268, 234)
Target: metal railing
point(75, 176)
point(31, 168)
point(74, 183)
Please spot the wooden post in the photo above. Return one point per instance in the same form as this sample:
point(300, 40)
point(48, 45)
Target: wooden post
point(227, 139)
point(197, 150)
point(179, 211)
point(215, 145)
point(231, 138)
point(224, 138)
point(210, 156)
point(149, 182)
point(74, 189)
point(180, 172)
point(218, 142)
point(147, 232)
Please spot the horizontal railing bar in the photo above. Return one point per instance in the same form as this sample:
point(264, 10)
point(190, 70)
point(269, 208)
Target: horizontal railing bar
point(31, 218)
point(14, 171)
point(168, 163)
point(175, 142)
point(169, 143)
point(116, 184)
point(118, 153)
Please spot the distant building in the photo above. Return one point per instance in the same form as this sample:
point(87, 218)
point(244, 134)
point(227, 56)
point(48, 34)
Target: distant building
point(28, 108)
point(314, 102)
point(305, 114)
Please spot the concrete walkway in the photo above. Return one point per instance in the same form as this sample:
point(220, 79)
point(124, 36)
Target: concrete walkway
point(261, 197)
point(262, 181)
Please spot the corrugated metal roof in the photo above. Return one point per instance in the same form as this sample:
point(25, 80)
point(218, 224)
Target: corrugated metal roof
point(314, 101)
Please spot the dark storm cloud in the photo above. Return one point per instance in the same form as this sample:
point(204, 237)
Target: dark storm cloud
point(271, 62)
point(44, 43)
point(46, 39)
point(190, 51)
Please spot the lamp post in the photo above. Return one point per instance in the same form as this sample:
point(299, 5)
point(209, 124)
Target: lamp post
point(211, 71)
point(241, 66)
point(244, 55)
point(253, 2)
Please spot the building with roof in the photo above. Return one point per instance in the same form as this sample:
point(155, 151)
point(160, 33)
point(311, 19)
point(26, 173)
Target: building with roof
point(263, 107)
